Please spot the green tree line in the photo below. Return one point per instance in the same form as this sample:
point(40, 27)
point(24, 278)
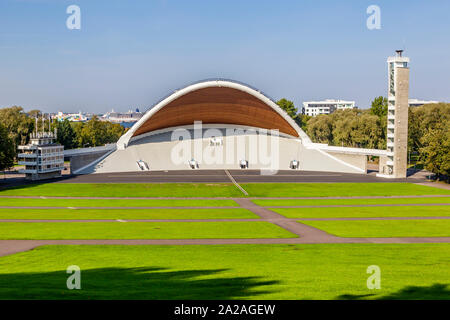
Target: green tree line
point(16, 125)
point(428, 130)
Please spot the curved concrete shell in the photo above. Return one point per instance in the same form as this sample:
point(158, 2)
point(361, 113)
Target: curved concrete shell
point(215, 102)
point(236, 123)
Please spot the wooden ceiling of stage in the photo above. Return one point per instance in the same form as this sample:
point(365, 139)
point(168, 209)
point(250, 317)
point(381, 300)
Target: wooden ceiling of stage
point(217, 105)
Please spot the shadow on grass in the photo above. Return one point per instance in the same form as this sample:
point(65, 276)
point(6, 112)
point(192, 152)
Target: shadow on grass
point(21, 183)
point(132, 283)
point(436, 291)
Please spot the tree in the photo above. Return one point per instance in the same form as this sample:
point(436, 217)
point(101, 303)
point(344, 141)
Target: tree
point(436, 150)
point(289, 107)
point(77, 128)
point(344, 123)
point(92, 133)
point(66, 135)
point(379, 106)
point(302, 121)
point(348, 128)
point(18, 124)
point(367, 133)
point(97, 133)
point(423, 118)
point(7, 151)
point(35, 113)
point(320, 129)
point(429, 135)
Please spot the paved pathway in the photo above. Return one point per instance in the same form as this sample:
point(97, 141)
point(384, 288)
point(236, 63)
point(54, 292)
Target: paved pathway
point(235, 207)
point(8, 247)
point(364, 205)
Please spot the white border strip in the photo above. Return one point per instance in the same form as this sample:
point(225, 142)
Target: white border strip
point(235, 183)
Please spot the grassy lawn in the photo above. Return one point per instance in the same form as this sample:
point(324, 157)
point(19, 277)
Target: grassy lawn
point(16, 202)
point(188, 190)
point(364, 212)
point(386, 228)
point(141, 230)
point(221, 189)
point(318, 271)
point(232, 213)
point(338, 189)
point(328, 202)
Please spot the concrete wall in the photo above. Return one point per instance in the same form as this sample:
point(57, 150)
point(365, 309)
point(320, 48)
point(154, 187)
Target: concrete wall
point(79, 161)
point(43, 176)
point(401, 123)
point(357, 160)
point(383, 168)
point(161, 153)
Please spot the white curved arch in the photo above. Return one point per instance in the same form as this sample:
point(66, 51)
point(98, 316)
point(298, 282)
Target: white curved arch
point(125, 139)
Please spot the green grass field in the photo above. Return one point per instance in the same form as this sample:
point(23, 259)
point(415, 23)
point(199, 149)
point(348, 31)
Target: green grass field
point(329, 202)
point(57, 214)
point(310, 271)
point(365, 212)
point(320, 271)
point(384, 228)
point(141, 230)
point(23, 202)
point(338, 189)
point(222, 190)
point(188, 190)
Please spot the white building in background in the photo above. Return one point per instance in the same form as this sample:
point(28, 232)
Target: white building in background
point(314, 108)
point(417, 102)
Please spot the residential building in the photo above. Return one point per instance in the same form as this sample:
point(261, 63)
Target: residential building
point(418, 103)
point(314, 108)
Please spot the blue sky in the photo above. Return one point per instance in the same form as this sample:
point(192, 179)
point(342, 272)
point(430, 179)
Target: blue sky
point(129, 54)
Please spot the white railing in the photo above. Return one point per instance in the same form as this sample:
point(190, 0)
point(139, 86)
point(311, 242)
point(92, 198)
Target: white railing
point(27, 155)
point(71, 152)
point(43, 163)
point(53, 154)
point(26, 163)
